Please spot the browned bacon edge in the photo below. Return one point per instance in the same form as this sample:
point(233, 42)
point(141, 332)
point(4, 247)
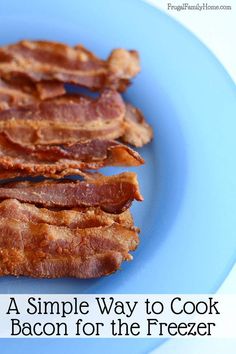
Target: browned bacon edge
point(113, 194)
point(137, 131)
point(61, 160)
point(72, 218)
point(72, 117)
point(42, 60)
point(49, 251)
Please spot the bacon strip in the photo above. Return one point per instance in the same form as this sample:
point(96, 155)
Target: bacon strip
point(113, 194)
point(60, 122)
point(72, 117)
point(71, 108)
point(61, 160)
point(41, 60)
point(14, 94)
point(73, 218)
point(49, 251)
point(19, 92)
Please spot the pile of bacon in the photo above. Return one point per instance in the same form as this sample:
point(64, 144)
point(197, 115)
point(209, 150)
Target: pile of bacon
point(60, 227)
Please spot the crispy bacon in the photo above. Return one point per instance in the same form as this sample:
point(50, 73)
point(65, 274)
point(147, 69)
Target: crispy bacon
point(41, 60)
point(64, 228)
point(137, 132)
point(61, 160)
point(60, 122)
point(71, 117)
point(71, 109)
point(19, 92)
point(49, 251)
point(72, 218)
point(113, 194)
point(14, 94)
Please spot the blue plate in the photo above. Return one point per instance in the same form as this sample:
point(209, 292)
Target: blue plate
point(188, 217)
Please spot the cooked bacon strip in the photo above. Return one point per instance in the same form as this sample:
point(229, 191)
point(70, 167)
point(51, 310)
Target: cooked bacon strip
point(49, 251)
point(71, 109)
point(60, 122)
point(62, 160)
point(113, 194)
point(136, 132)
point(19, 92)
point(41, 60)
point(14, 94)
point(73, 218)
point(71, 117)
point(13, 262)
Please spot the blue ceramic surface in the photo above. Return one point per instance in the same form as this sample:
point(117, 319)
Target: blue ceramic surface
point(188, 217)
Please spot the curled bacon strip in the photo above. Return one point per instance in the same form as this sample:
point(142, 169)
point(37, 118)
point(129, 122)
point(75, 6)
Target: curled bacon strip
point(113, 194)
point(71, 117)
point(60, 121)
point(61, 160)
point(41, 60)
point(49, 251)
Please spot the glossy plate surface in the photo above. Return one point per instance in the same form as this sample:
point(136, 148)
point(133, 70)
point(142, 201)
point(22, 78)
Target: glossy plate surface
point(188, 217)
